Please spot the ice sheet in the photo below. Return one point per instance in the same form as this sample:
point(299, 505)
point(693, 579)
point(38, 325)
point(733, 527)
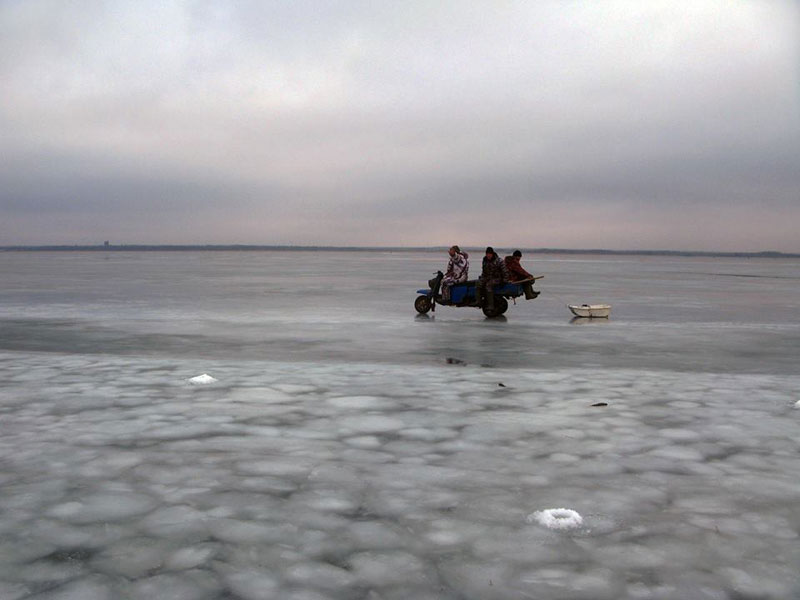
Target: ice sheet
point(395, 479)
point(353, 449)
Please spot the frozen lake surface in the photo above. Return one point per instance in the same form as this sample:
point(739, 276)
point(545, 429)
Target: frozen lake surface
point(351, 449)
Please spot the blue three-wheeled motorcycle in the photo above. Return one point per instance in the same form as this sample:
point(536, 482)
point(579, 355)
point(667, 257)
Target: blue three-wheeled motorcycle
point(463, 294)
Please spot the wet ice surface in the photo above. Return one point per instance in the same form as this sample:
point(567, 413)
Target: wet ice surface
point(341, 455)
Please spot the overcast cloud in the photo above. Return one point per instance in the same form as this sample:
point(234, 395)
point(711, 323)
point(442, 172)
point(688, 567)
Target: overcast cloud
point(637, 124)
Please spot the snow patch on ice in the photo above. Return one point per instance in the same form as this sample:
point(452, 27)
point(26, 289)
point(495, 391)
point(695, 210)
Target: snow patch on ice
point(371, 424)
point(103, 507)
point(252, 584)
point(91, 588)
point(367, 442)
point(360, 402)
point(190, 557)
point(556, 518)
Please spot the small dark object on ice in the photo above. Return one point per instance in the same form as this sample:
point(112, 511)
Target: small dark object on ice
point(600, 404)
point(455, 361)
point(501, 385)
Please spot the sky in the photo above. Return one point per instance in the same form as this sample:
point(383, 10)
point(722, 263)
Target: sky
point(618, 124)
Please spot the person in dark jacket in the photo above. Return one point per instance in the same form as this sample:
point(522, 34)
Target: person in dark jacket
point(517, 273)
point(493, 273)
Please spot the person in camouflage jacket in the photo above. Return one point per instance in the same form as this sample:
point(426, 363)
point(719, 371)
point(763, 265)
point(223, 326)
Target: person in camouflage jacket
point(457, 270)
point(494, 272)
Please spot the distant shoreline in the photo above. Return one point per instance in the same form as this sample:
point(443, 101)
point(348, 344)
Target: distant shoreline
point(259, 248)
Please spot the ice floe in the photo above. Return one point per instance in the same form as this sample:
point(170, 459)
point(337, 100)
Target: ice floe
point(557, 518)
point(203, 379)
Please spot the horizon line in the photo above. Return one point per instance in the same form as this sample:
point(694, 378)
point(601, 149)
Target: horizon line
point(291, 247)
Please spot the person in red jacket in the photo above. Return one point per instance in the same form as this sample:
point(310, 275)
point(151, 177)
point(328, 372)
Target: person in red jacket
point(517, 273)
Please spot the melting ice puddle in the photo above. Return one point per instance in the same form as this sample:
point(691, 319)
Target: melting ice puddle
point(556, 518)
point(203, 379)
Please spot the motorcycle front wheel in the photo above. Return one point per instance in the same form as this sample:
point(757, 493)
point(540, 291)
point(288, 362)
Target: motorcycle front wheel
point(422, 304)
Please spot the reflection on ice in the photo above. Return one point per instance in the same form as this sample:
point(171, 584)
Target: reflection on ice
point(586, 321)
point(377, 481)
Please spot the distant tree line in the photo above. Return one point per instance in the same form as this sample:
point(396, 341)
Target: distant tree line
point(107, 247)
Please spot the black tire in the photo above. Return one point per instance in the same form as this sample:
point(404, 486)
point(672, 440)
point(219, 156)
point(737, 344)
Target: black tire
point(422, 304)
point(500, 306)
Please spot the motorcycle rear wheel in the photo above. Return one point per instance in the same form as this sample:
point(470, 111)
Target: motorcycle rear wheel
point(500, 306)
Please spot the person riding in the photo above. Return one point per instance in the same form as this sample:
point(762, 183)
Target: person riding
point(517, 273)
point(493, 273)
point(457, 270)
